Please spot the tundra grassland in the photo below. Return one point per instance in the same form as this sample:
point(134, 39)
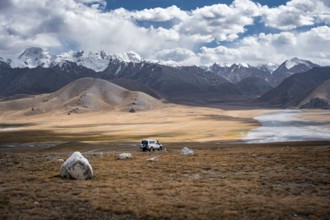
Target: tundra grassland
point(220, 181)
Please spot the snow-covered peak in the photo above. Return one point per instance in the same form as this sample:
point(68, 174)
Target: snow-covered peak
point(129, 57)
point(33, 57)
point(97, 61)
point(296, 61)
point(71, 56)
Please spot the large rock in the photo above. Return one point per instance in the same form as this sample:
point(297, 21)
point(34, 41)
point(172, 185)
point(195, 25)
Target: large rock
point(124, 156)
point(76, 167)
point(186, 151)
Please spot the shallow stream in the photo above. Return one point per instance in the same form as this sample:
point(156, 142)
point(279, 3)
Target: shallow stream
point(286, 126)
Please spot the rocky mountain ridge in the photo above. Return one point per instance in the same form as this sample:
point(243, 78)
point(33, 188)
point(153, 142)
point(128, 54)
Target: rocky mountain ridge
point(36, 71)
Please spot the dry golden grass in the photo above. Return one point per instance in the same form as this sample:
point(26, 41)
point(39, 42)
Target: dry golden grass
point(173, 123)
point(316, 115)
point(283, 181)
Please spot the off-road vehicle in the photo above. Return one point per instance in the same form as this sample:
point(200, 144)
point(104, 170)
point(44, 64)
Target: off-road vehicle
point(150, 145)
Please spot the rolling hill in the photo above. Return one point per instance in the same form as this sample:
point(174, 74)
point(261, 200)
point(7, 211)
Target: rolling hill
point(84, 95)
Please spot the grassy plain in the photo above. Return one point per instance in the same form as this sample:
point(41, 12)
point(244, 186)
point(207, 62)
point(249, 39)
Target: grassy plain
point(220, 181)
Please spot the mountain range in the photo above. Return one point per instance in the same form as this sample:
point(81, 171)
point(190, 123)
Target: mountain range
point(36, 71)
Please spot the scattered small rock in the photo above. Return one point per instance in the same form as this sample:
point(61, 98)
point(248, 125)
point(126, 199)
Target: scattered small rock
point(124, 156)
point(76, 167)
point(60, 160)
point(186, 151)
point(153, 159)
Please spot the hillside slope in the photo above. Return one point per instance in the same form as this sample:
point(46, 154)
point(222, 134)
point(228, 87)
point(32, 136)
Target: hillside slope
point(83, 95)
point(296, 88)
point(254, 86)
point(319, 98)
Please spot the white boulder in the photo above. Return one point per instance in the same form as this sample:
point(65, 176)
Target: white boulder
point(186, 151)
point(76, 167)
point(124, 156)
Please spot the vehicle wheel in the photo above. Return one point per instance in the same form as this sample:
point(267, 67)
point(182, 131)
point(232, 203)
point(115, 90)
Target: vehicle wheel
point(160, 148)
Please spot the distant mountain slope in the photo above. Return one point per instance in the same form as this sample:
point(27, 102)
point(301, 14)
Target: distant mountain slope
point(288, 68)
point(254, 86)
point(296, 88)
point(319, 98)
point(237, 72)
point(83, 95)
point(173, 84)
point(39, 80)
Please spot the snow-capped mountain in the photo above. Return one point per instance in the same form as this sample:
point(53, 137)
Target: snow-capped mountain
point(288, 68)
point(98, 61)
point(130, 57)
point(289, 64)
point(33, 57)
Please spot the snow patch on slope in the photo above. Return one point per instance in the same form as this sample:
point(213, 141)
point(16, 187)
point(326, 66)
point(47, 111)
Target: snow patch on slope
point(129, 57)
point(296, 61)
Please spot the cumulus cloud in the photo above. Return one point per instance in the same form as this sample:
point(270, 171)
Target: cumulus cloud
point(310, 44)
point(180, 55)
point(220, 22)
point(153, 14)
point(296, 13)
point(216, 33)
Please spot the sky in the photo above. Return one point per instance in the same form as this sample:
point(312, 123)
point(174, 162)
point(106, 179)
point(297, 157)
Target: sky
point(190, 32)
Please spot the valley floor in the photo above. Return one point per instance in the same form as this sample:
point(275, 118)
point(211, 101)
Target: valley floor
point(172, 123)
point(224, 179)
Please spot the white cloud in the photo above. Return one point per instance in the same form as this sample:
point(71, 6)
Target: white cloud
point(274, 47)
point(180, 55)
point(296, 13)
point(220, 22)
point(154, 14)
point(64, 25)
